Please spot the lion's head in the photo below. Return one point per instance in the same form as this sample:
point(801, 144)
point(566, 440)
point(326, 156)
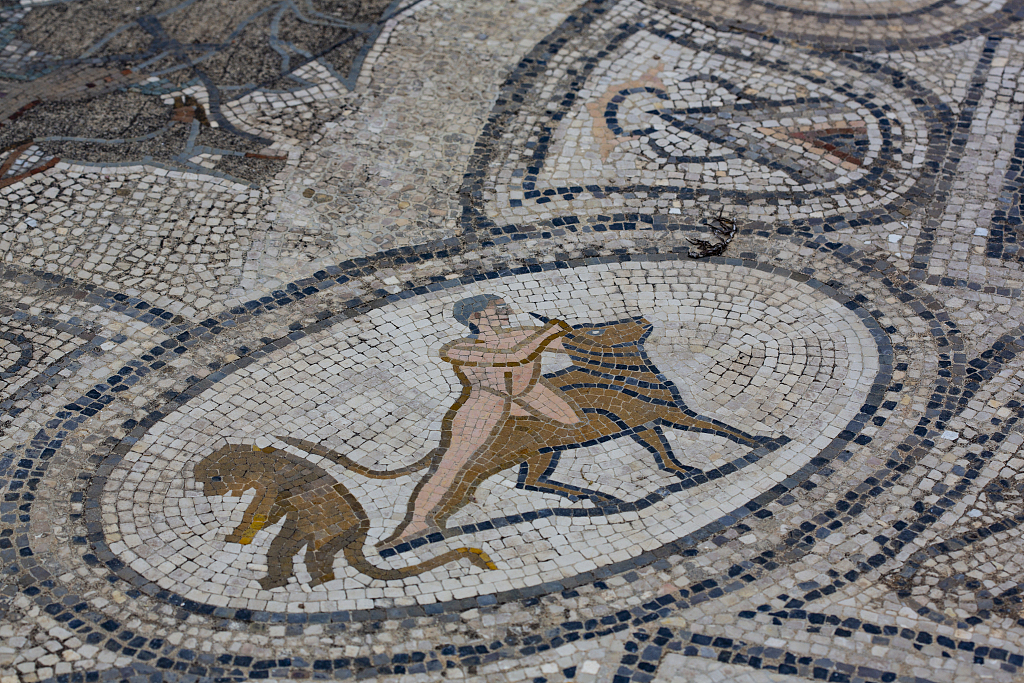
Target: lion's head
point(236, 468)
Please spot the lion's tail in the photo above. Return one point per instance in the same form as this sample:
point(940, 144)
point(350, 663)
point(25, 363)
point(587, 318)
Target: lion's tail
point(348, 463)
point(355, 557)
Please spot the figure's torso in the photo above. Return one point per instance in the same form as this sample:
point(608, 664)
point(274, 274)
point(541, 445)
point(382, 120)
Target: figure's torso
point(507, 381)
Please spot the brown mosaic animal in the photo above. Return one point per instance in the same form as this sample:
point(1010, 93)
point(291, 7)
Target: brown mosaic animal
point(319, 514)
point(620, 391)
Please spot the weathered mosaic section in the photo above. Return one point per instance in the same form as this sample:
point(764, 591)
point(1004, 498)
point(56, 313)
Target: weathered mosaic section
point(178, 68)
point(648, 112)
point(574, 422)
point(607, 342)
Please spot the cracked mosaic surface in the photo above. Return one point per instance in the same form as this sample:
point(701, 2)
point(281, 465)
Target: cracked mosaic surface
point(612, 341)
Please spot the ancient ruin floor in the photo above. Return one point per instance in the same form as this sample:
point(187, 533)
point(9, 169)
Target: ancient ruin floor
point(620, 341)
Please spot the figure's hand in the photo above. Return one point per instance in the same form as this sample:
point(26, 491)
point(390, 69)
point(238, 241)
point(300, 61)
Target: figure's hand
point(556, 325)
point(552, 326)
point(551, 322)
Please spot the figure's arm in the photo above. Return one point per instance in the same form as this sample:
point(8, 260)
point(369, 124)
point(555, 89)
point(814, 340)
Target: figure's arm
point(541, 340)
point(461, 352)
point(520, 354)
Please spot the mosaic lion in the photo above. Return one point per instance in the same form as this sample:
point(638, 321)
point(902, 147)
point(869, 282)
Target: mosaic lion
point(319, 514)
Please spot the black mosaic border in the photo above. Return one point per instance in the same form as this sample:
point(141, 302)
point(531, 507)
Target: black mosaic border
point(645, 653)
point(1006, 230)
point(35, 579)
point(58, 286)
point(530, 72)
point(103, 554)
point(884, 16)
point(24, 358)
point(1011, 11)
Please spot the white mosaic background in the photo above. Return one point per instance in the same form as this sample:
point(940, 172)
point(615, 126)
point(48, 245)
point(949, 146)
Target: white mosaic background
point(760, 352)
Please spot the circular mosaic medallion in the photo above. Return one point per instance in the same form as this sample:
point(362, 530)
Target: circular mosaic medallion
point(489, 439)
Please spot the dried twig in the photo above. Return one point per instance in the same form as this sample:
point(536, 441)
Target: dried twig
point(724, 229)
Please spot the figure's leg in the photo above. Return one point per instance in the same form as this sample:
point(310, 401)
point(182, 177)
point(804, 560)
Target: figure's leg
point(472, 425)
point(280, 556)
point(674, 417)
point(320, 561)
point(549, 402)
point(255, 518)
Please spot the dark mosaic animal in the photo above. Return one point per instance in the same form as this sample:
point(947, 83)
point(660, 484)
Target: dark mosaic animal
point(620, 391)
point(319, 514)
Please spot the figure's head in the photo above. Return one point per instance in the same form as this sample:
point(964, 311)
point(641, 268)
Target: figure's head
point(487, 310)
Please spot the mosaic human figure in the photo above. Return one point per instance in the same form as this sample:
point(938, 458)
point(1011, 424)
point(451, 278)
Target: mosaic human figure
point(500, 370)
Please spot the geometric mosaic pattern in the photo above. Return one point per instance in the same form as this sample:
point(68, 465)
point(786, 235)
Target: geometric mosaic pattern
point(619, 341)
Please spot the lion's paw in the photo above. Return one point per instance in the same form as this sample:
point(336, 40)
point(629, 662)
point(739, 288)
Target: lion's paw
point(271, 582)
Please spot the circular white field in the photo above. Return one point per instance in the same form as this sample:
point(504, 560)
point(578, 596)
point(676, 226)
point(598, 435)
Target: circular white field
point(757, 351)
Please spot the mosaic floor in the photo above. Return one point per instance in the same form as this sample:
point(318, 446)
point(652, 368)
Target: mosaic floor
point(512, 340)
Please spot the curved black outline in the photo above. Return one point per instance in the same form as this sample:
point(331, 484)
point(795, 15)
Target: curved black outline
point(102, 553)
point(531, 71)
point(24, 359)
point(1011, 11)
